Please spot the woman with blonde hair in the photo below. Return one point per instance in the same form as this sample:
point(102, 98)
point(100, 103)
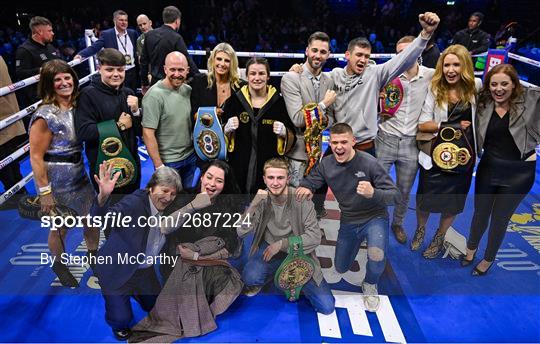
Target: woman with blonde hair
point(221, 81)
point(508, 130)
point(445, 175)
point(55, 156)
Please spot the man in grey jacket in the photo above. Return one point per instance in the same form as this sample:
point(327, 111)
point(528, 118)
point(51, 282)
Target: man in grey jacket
point(358, 84)
point(311, 86)
point(275, 216)
point(363, 190)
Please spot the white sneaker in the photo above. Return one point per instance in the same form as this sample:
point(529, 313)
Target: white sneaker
point(371, 297)
point(252, 291)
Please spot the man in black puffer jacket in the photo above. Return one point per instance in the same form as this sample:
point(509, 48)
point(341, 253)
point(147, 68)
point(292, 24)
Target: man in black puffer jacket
point(472, 38)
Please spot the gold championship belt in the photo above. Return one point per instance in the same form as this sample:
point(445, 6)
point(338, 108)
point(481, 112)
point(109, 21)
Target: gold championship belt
point(315, 124)
point(452, 151)
point(113, 150)
point(29, 207)
point(295, 270)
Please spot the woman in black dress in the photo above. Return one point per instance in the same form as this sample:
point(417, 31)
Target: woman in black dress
point(445, 175)
point(508, 130)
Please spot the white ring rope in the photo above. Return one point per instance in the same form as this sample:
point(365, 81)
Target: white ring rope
point(7, 195)
point(524, 59)
point(30, 81)
point(286, 55)
point(18, 115)
point(10, 158)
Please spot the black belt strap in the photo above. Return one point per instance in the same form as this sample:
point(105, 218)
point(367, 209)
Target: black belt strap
point(72, 158)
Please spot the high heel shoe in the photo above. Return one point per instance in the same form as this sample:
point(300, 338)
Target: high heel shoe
point(435, 247)
point(466, 262)
point(418, 238)
point(64, 275)
point(477, 273)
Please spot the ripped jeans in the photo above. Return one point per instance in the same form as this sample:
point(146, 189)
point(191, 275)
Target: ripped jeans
point(351, 235)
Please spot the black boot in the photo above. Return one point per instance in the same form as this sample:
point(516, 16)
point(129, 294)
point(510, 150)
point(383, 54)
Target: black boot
point(64, 275)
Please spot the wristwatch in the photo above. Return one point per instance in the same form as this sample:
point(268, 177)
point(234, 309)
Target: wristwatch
point(121, 125)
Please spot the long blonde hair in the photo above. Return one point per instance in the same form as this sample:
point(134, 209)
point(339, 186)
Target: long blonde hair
point(466, 89)
point(233, 68)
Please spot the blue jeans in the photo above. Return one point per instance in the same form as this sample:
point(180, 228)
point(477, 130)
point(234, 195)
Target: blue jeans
point(351, 235)
point(257, 272)
point(186, 168)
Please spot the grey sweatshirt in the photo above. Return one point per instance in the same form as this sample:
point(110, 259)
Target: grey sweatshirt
point(343, 180)
point(358, 95)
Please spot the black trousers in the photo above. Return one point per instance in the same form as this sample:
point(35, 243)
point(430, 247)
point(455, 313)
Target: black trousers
point(500, 186)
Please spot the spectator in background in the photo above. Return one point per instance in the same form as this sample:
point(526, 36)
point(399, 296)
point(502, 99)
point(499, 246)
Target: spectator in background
point(32, 54)
point(159, 43)
point(472, 38)
point(145, 24)
point(122, 39)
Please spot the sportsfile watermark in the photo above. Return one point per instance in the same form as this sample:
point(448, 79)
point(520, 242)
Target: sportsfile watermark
point(119, 220)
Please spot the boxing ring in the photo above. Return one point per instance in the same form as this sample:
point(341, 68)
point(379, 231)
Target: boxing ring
point(423, 300)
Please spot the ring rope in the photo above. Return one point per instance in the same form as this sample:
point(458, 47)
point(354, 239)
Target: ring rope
point(7, 195)
point(13, 156)
point(30, 81)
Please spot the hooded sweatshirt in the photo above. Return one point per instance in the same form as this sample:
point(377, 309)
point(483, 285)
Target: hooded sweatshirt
point(99, 102)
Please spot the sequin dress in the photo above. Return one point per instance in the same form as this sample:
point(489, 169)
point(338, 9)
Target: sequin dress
point(69, 181)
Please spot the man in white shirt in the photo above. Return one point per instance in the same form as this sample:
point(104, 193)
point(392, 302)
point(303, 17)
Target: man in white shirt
point(396, 140)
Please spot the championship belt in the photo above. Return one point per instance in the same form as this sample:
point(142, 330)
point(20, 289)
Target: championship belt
point(452, 151)
point(29, 207)
point(315, 124)
point(295, 271)
point(113, 150)
point(393, 96)
point(208, 138)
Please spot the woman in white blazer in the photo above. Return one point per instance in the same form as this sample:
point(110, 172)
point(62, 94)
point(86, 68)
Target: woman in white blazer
point(445, 175)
